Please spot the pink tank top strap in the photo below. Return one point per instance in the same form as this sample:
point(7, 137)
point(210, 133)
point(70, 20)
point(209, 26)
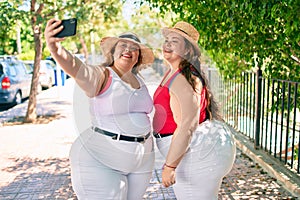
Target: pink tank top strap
point(108, 83)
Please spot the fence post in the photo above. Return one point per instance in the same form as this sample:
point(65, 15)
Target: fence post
point(258, 107)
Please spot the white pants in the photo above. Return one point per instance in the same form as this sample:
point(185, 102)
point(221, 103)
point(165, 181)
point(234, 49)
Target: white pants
point(103, 168)
point(210, 157)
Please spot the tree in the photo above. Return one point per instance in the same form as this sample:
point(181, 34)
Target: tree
point(38, 13)
point(147, 23)
point(9, 16)
point(241, 35)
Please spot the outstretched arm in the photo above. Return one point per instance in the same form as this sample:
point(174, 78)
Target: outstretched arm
point(89, 78)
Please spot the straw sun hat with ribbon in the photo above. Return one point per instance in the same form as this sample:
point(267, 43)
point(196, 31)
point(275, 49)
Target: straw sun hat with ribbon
point(186, 30)
point(107, 43)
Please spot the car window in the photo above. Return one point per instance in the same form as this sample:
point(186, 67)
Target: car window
point(11, 70)
point(20, 68)
point(30, 64)
point(1, 69)
point(52, 64)
point(28, 67)
point(49, 66)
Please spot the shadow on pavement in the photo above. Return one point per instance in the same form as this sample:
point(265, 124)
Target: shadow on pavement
point(38, 179)
point(5, 107)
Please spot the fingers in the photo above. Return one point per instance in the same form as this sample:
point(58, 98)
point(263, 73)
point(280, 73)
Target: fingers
point(52, 28)
point(51, 21)
point(168, 183)
point(168, 178)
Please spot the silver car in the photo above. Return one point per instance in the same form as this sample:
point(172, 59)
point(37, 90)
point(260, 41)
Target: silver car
point(46, 73)
point(15, 80)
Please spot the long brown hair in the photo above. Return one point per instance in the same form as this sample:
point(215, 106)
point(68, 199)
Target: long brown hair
point(190, 67)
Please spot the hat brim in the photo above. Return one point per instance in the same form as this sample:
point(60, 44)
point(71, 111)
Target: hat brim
point(107, 43)
point(166, 31)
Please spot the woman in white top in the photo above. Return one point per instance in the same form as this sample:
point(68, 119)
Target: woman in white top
point(114, 158)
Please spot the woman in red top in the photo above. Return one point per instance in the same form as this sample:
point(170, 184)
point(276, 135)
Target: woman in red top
point(190, 133)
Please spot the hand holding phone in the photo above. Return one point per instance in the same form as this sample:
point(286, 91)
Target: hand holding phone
point(69, 29)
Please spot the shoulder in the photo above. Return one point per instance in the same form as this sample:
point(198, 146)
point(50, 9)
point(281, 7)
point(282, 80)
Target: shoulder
point(183, 92)
point(181, 85)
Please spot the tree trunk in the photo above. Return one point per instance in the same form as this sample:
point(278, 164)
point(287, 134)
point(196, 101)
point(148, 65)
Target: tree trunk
point(31, 114)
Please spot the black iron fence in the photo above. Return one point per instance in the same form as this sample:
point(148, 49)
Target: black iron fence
point(265, 110)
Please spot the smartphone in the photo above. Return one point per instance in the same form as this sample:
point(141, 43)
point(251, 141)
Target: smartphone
point(69, 29)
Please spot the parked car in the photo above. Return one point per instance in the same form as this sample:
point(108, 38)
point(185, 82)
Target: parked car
point(64, 76)
point(15, 80)
point(46, 73)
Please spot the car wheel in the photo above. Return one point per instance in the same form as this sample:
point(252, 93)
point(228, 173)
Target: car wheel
point(18, 98)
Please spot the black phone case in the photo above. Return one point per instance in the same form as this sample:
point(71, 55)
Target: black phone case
point(69, 28)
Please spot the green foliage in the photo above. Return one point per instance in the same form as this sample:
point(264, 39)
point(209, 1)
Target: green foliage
point(31, 16)
point(10, 15)
point(97, 18)
point(240, 35)
point(147, 24)
point(28, 55)
point(93, 15)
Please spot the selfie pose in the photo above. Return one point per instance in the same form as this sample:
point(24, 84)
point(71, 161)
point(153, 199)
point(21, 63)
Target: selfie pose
point(114, 158)
point(189, 131)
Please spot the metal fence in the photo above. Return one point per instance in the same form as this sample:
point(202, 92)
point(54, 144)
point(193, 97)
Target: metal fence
point(265, 110)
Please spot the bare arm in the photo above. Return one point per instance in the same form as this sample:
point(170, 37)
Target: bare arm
point(184, 103)
point(89, 78)
point(185, 107)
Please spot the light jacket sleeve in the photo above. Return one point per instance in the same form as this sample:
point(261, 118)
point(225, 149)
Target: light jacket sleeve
point(89, 78)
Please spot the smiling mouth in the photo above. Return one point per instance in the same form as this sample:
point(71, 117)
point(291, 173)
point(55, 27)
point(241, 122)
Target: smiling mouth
point(168, 51)
point(126, 55)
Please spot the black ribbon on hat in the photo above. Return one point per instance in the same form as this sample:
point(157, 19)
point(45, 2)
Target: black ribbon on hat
point(182, 31)
point(130, 36)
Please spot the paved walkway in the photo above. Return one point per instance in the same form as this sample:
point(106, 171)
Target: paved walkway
point(34, 157)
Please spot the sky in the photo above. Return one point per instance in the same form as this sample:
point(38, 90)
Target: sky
point(128, 7)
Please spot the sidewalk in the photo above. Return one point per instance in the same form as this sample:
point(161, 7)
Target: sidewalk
point(34, 157)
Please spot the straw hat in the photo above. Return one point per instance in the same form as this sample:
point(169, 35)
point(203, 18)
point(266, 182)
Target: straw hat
point(107, 43)
point(186, 30)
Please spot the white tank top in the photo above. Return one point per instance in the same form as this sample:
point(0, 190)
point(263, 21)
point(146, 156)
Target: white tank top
point(121, 108)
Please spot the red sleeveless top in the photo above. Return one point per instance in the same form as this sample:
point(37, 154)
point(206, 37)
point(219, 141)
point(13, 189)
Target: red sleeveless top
point(163, 121)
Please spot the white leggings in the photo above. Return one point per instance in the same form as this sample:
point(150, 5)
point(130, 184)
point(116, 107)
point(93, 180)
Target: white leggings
point(102, 168)
point(209, 158)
